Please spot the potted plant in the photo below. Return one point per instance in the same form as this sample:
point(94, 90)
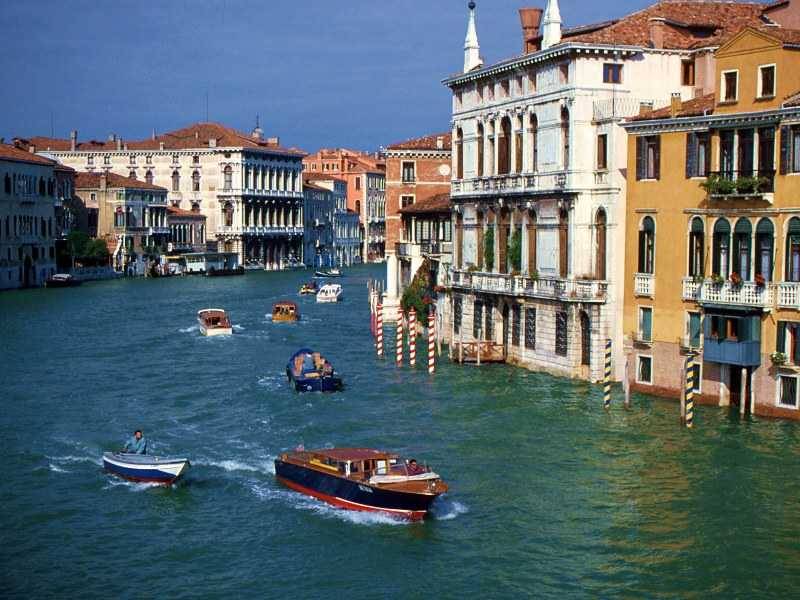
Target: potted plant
point(760, 281)
point(778, 358)
point(697, 278)
point(735, 279)
point(717, 279)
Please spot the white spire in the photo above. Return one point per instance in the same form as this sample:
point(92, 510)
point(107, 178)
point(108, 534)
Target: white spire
point(472, 57)
point(551, 25)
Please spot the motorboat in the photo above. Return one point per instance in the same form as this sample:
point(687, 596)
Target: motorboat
point(145, 468)
point(329, 273)
point(362, 479)
point(308, 371)
point(214, 321)
point(62, 280)
point(330, 292)
point(285, 311)
point(309, 288)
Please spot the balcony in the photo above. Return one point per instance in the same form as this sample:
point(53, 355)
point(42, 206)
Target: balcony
point(691, 288)
point(746, 293)
point(253, 230)
point(789, 295)
point(740, 185)
point(514, 183)
point(568, 290)
point(732, 352)
point(644, 284)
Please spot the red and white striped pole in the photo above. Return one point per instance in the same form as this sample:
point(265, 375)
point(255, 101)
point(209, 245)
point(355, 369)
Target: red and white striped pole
point(379, 329)
point(412, 337)
point(399, 358)
point(431, 340)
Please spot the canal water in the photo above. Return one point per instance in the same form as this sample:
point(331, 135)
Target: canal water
point(551, 496)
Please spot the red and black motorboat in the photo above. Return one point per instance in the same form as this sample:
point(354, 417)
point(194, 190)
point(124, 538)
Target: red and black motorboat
point(362, 479)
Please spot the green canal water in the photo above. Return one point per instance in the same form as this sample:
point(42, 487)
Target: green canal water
point(551, 496)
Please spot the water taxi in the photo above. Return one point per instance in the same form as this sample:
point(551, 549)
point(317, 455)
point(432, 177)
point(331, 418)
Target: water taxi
point(309, 288)
point(362, 479)
point(330, 292)
point(165, 470)
point(285, 311)
point(308, 371)
point(214, 321)
point(328, 273)
point(62, 280)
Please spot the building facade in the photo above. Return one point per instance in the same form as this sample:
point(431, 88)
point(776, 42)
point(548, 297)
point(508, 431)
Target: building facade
point(417, 170)
point(248, 187)
point(713, 239)
point(131, 216)
point(539, 159)
point(318, 211)
point(347, 239)
point(426, 233)
point(28, 227)
point(187, 230)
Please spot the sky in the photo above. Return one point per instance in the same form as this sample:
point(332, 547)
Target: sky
point(319, 73)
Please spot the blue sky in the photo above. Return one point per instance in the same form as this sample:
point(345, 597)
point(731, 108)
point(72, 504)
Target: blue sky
point(356, 73)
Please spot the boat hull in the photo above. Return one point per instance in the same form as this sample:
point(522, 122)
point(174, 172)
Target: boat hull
point(315, 384)
point(352, 495)
point(212, 331)
point(143, 468)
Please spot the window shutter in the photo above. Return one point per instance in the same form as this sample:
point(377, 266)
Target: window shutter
point(691, 155)
point(780, 346)
point(658, 157)
point(786, 139)
point(640, 158)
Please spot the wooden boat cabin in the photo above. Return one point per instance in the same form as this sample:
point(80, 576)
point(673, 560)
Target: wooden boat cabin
point(285, 311)
point(214, 321)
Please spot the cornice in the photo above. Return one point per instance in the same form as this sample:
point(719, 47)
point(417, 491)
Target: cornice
point(712, 121)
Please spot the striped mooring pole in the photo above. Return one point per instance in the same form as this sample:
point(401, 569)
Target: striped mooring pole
point(379, 329)
point(689, 390)
point(431, 340)
point(412, 337)
point(399, 357)
point(607, 377)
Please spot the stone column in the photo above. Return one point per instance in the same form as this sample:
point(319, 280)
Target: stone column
point(531, 233)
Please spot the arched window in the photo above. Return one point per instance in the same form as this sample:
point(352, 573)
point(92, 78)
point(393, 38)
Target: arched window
point(647, 245)
point(358, 206)
point(721, 250)
point(697, 248)
point(742, 239)
point(228, 210)
point(176, 181)
point(504, 149)
point(586, 340)
point(563, 243)
point(132, 174)
point(195, 207)
point(793, 250)
point(148, 177)
point(518, 145)
point(765, 249)
point(227, 173)
point(196, 181)
point(459, 148)
point(565, 136)
point(479, 153)
point(534, 143)
point(531, 232)
point(600, 244)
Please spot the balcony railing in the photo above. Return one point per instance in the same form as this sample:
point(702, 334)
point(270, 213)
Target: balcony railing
point(746, 293)
point(261, 231)
point(789, 295)
point(644, 284)
point(736, 184)
point(578, 290)
point(510, 183)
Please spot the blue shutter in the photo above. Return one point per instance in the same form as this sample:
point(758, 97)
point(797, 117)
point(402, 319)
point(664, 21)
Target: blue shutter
point(691, 155)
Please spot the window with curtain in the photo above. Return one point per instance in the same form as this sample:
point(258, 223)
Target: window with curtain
point(647, 242)
point(176, 181)
point(645, 324)
point(697, 248)
point(742, 236)
point(721, 248)
point(765, 235)
point(793, 250)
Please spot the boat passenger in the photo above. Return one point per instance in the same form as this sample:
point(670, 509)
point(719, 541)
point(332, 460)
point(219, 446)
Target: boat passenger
point(414, 468)
point(137, 444)
point(327, 369)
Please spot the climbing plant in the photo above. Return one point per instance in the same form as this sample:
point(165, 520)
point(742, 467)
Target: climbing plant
point(488, 249)
point(515, 250)
point(420, 294)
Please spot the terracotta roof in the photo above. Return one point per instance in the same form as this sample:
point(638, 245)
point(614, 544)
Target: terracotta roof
point(84, 180)
point(793, 100)
point(311, 186)
point(194, 136)
point(174, 211)
point(440, 203)
point(316, 176)
point(428, 142)
point(690, 108)
point(8, 152)
point(688, 24)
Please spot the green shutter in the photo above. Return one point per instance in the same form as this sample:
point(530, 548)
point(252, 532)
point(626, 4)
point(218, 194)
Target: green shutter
point(780, 345)
point(647, 324)
point(694, 329)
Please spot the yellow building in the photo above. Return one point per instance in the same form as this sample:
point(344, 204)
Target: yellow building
point(713, 233)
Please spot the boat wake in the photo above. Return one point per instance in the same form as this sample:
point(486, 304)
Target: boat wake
point(68, 459)
point(238, 327)
point(134, 486)
point(191, 329)
point(267, 466)
point(271, 382)
point(56, 469)
point(444, 509)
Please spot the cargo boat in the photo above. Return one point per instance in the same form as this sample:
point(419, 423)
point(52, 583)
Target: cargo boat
point(362, 479)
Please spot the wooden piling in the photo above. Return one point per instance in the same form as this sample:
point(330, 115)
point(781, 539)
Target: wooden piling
point(412, 337)
point(379, 329)
point(607, 377)
point(431, 340)
point(689, 390)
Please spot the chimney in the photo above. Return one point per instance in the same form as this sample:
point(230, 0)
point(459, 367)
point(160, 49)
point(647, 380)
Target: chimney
point(119, 143)
point(212, 142)
point(675, 104)
point(153, 135)
point(73, 139)
point(160, 145)
point(439, 143)
point(644, 108)
point(103, 181)
point(32, 149)
point(529, 18)
point(657, 25)
point(274, 141)
point(197, 134)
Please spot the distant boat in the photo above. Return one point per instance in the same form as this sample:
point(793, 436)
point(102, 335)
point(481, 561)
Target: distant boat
point(62, 280)
point(285, 311)
point(142, 467)
point(362, 479)
point(309, 288)
point(328, 273)
point(214, 321)
point(214, 272)
point(330, 292)
point(308, 371)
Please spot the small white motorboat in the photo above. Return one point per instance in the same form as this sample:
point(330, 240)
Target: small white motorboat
point(145, 468)
point(330, 292)
point(214, 321)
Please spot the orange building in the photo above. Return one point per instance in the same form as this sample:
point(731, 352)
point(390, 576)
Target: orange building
point(712, 253)
point(416, 171)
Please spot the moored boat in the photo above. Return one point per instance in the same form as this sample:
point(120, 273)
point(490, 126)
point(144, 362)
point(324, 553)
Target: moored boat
point(309, 371)
point(62, 280)
point(309, 288)
point(285, 311)
point(145, 468)
point(330, 292)
point(328, 273)
point(214, 321)
point(362, 479)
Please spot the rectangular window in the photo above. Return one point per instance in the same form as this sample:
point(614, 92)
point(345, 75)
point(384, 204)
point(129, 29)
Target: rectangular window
point(687, 72)
point(698, 154)
point(602, 152)
point(90, 160)
point(766, 81)
point(644, 369)
point(406, 201)
point(612, 73)
point(358, 183)
point(561, 333)
point(408, 172)
point(646, 324)
point(787, 391)
point(504, 89)
point(489, 333)
point(693, 329)
point(106, 160)
point(457, 311)
point(530, 328)
point(730, 86)
point(477, 320)
point(563, 73)
point(515, 325)
point(790, 149)
point(648, 157)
